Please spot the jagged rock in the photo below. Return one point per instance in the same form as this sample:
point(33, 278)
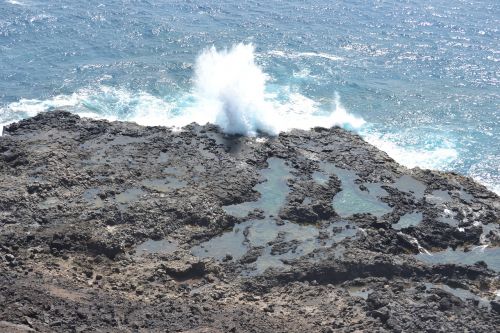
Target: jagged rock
point(114, 226)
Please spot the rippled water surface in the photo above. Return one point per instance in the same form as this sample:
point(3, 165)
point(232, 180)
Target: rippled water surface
point(423, 75)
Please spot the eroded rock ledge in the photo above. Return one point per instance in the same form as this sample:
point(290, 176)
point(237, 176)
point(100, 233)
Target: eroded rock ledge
point(117, 227)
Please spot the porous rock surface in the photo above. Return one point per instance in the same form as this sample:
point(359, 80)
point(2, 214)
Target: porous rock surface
point(79, 196)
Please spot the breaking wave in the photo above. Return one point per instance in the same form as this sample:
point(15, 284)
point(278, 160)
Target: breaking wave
point(437, 153)
point(231, 90)
point(15, 2)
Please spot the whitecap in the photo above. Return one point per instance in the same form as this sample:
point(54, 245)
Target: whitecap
point(15, 2)
point(231, 91)
point(31, 107)
point(42, 17)
point(438, 157)
point(320, 55)
point(295, 55)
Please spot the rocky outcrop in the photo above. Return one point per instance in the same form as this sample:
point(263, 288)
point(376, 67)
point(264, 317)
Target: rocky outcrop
point(117, 227)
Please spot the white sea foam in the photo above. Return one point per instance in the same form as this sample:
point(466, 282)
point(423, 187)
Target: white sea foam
point(320, 55)
point(439, 157)
point(435, 152)
point(31, 107)
point(230, 90)
point(77, 102)
point(16, 2)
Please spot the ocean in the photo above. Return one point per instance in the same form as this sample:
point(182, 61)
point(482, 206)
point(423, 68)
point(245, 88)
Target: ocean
point(418, 79)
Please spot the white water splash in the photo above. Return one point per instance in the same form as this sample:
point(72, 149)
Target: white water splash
point(32, 107)
point(230, 89)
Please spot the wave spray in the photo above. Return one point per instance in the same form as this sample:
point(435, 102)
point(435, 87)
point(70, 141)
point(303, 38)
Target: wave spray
point(230, 91)
point(230, 88)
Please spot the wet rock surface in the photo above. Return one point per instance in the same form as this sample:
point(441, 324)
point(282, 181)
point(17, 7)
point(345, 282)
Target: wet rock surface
point(117, 227)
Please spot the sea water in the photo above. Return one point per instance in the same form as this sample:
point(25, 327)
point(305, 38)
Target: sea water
point(418, 79)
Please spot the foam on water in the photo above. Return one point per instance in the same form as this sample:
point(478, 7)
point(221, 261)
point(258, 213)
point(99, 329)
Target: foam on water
point(75, 102)
point(230, 89)
point(15, 2)
point(437, 155)
point(30, 107)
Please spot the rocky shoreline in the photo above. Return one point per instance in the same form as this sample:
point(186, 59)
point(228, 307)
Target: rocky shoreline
point(110, 227)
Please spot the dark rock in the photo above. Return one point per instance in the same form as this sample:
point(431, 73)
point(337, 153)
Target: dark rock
point(495, 306)
point(80, 196)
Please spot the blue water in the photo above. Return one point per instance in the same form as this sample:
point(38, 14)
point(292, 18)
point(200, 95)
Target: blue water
point(423, 75)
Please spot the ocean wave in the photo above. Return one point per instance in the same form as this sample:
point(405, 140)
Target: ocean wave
point(229, 90)
point(25, 108)
point(16, 2)
point(232, 91)
point(440, 154)
point(487, 172)
point(31, 107)
point(103, 102)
